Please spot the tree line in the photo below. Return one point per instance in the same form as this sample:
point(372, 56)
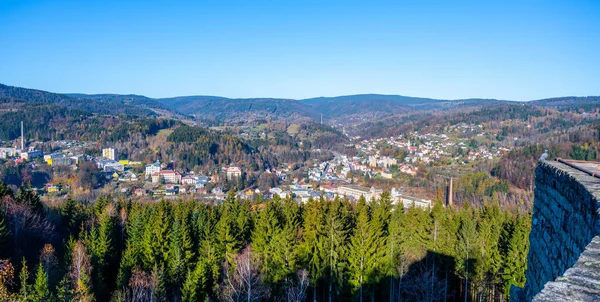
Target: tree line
point(278, 249)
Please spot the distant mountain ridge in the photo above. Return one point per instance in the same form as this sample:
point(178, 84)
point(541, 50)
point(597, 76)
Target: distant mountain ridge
point(66, 101)
point(221, 108)
point(389, 104)
point(364, 106)
point(128, 99)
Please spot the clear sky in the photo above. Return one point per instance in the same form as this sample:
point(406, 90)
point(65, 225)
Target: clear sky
point(517, 50)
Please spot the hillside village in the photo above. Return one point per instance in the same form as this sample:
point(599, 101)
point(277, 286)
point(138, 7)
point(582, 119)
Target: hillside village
point(381, 158)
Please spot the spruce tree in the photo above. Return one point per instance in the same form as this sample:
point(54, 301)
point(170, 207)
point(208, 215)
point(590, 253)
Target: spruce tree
point(25, 292)
point(64, 291)
point(313, 248)
point(396, 265)
point(365, 251)
point(286, 241)
point(196, 284)
point(336, 229)
point(155, 240)
point(516, 237)
point(209, 250)
point(180, 248)
point(232, 227)
point(101, 248)
point(27, 196)
point(466, 251)
point(266, 228)
point(41, 292)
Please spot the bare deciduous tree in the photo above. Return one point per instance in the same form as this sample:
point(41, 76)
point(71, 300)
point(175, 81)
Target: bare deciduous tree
point(423, 285)
point(296, 291)
point(80, 273)
point(244, 282)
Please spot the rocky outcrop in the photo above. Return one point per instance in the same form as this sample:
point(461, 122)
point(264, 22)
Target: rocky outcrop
point(564, 254)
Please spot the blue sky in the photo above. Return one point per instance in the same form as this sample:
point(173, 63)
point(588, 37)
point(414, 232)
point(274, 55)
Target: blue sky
point(517, 50)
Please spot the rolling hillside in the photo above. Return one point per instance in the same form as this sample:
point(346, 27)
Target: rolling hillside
point(62, 100)
point(385, 104)
point(219, 108)
point(341, 109)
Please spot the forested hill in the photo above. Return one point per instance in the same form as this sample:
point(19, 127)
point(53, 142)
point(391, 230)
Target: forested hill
point(88, 105)
point(128, 99)
point(391, 104)
point(341, 109)
point(220, 108)
point(45, 122)
point(570, 102)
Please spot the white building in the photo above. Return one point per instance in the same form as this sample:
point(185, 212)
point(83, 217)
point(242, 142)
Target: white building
point(31, 154)
point(356, 192)
point(9, 152)
point(233, 172)
point(409, 201)
point(110, 153)
point(168, 176)
point(113, 167)
point(152, 168)
point(188, 180)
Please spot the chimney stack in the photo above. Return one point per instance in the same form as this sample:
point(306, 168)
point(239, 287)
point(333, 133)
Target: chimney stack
point(449, 204)
point(22, 140)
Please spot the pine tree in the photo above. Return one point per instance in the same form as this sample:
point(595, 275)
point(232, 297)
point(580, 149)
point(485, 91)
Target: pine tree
point(25, 292)
point(180, 248)
point(195, 286)
point(396, 260)
point(41, 292)
point(490, 259)
point(29, 197)
point(365, 251)
point(286, 241)
point(266, 228)
point(208, 247)
point(313, 250)
point(466, 250)
point(157, 278)
point(418, 228)
point(101, 247)
point(516, 238)
point(5, 190)
point(232, 227)
point(64, 291)
point(155, 242)
point(336, 229)
point(134, 246)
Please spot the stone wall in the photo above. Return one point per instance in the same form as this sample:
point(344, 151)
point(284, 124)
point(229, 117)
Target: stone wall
point(564, 254)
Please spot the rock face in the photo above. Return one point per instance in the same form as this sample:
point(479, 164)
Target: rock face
point(564, 254)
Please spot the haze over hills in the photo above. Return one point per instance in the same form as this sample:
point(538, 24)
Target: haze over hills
point(220, 108)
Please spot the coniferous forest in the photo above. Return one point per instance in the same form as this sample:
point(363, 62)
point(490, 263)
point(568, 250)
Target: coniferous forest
point(274, 250)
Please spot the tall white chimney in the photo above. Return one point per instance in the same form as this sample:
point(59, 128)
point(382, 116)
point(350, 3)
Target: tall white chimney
point(22, 140)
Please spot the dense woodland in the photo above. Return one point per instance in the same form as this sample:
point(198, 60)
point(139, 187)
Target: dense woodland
point(87, 105)
point(273, 250)
point(49, 122)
